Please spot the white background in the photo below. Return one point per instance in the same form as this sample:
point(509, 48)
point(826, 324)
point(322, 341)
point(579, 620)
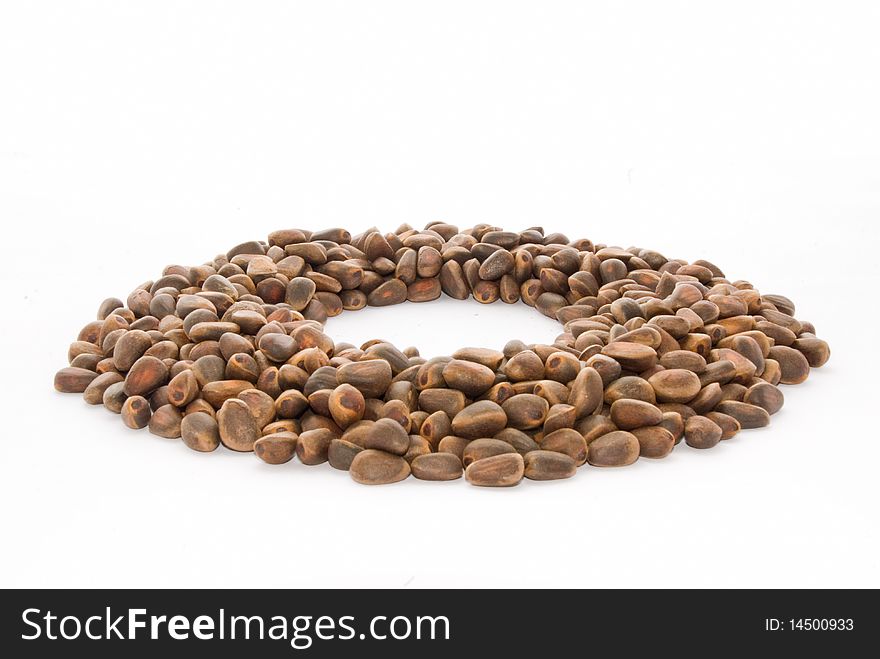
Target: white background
point(133, 135)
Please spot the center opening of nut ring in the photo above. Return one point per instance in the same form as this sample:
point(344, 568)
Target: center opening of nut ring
point(444, 325)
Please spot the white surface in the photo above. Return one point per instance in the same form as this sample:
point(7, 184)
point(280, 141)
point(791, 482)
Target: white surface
point(136, 135)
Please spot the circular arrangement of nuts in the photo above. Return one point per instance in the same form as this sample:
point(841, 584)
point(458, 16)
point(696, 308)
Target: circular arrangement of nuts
point(233, 352)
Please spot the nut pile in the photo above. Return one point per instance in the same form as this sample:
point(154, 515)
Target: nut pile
point(234, 352)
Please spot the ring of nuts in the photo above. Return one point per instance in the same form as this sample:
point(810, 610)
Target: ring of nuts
point(233, 352)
